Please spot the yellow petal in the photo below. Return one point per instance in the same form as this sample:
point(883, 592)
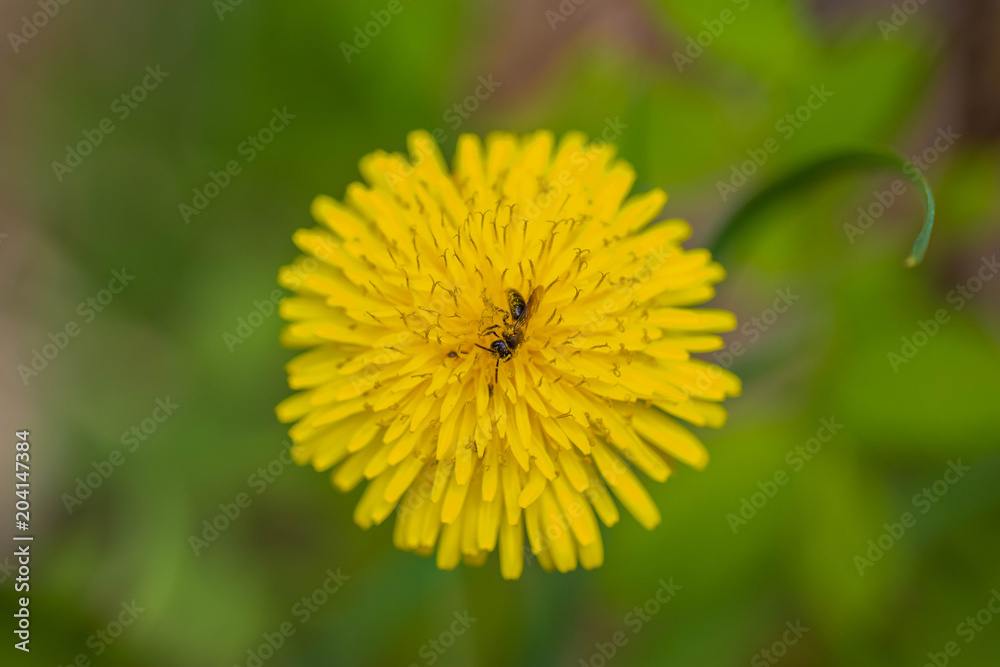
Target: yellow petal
point(626, 487)
point(670, 436)
point(511, 549)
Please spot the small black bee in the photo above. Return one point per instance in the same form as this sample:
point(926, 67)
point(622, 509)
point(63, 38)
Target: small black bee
point(512, 330)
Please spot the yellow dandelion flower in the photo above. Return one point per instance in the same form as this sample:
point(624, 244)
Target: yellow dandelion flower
point(498, 348)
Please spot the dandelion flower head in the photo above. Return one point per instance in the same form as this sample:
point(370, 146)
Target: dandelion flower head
point(500, 349)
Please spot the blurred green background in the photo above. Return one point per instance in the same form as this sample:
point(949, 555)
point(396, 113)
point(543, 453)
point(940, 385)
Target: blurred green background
point(896, 79)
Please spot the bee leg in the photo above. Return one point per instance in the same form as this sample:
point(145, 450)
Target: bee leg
point(492, 330)
point(496, 372)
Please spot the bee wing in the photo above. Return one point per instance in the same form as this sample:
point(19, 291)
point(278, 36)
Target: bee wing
point(515, 302)
point(533, 302)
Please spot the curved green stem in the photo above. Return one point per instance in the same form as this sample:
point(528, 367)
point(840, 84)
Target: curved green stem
point(818, 170)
